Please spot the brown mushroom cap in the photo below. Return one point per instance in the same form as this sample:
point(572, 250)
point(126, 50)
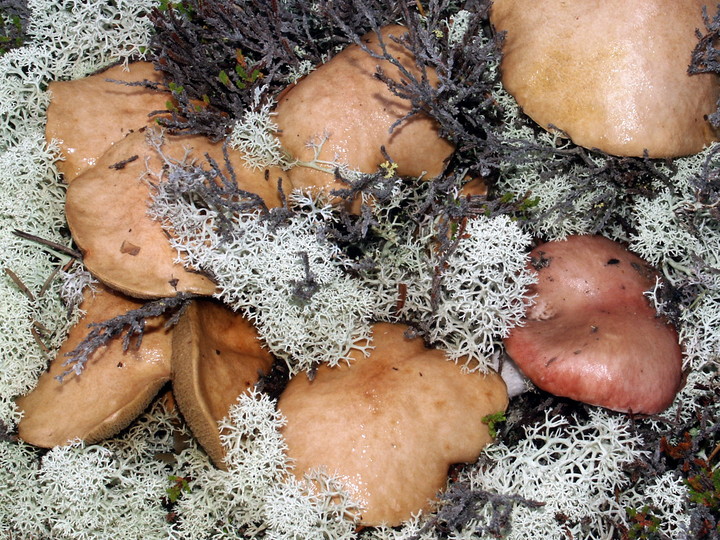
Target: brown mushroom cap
point(611, 74)
point(592, 335)
point(389, 425)
point(89, 115)
point(113, 389)
point(344, 101)
point(217, 355)
point(106, 209)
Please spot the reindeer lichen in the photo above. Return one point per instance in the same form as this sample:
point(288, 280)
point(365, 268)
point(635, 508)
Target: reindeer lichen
point(257, 496)
point(260, 265)
point(575, 470)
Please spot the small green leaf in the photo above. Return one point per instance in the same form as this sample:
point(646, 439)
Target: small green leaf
point(180, 486)
point(491, 420)
point(175, 88)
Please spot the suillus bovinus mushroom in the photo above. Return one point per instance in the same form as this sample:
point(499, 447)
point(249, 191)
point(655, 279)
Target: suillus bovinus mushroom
point(87, 116)
point(211, 356)
point(592, 334)
point(612, 75)
point(342, 114)
point(117, 387)
point(217, 355)
point(107, 212)
point(389, 425)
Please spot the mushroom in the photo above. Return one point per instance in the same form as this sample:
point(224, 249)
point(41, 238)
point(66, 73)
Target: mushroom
point(611, 75)
point(217, 355)
point(347, 113)
point(89, 115)
point(107, 212)
point(592, 334)
point(115, 387)
point(390, 425)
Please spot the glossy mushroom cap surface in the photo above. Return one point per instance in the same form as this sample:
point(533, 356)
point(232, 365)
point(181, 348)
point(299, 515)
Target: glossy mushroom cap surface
point(89, 115)
point(113, 389)
point(592, 335)
point(611, 74)
point(389, 425)
point(107, 212)
point(343, 102)
point(217, 355)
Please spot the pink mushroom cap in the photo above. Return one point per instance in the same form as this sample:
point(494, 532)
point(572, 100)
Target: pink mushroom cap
point(592, 334)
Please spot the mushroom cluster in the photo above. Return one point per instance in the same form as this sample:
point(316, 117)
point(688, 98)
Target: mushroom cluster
point(391, 422)
point(399, 417)
point(114, 157)
point(612, 76)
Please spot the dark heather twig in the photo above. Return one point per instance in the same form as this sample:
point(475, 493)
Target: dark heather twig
point(220, 54)
point(13, 30)
point(279, 216)
point(131, 323)
point(213, 188)
point(49, 280)
point(121, 164)
point(460, 505)
point(706, 186)
point(304, 289)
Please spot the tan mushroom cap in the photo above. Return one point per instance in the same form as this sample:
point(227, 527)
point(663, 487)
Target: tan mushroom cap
point(592, 335)
point(217, 355)
point(89, 115)
point(343, 101)
point(113, 389)
point(612, 74)
point(106, 210)
point(390, 425)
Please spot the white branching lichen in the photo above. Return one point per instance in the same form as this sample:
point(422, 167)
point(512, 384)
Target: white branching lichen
point(466, 301)
point(258, 494)
point(123, 479)
point(255, 136)
point(484, 290)
point(575, 470)
point(666, 499)
point(31, 202)
point(73, 285)
point(85, 35)
point(680, 235)
point(284, 278)
point(457, 27)
point(316, 507)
